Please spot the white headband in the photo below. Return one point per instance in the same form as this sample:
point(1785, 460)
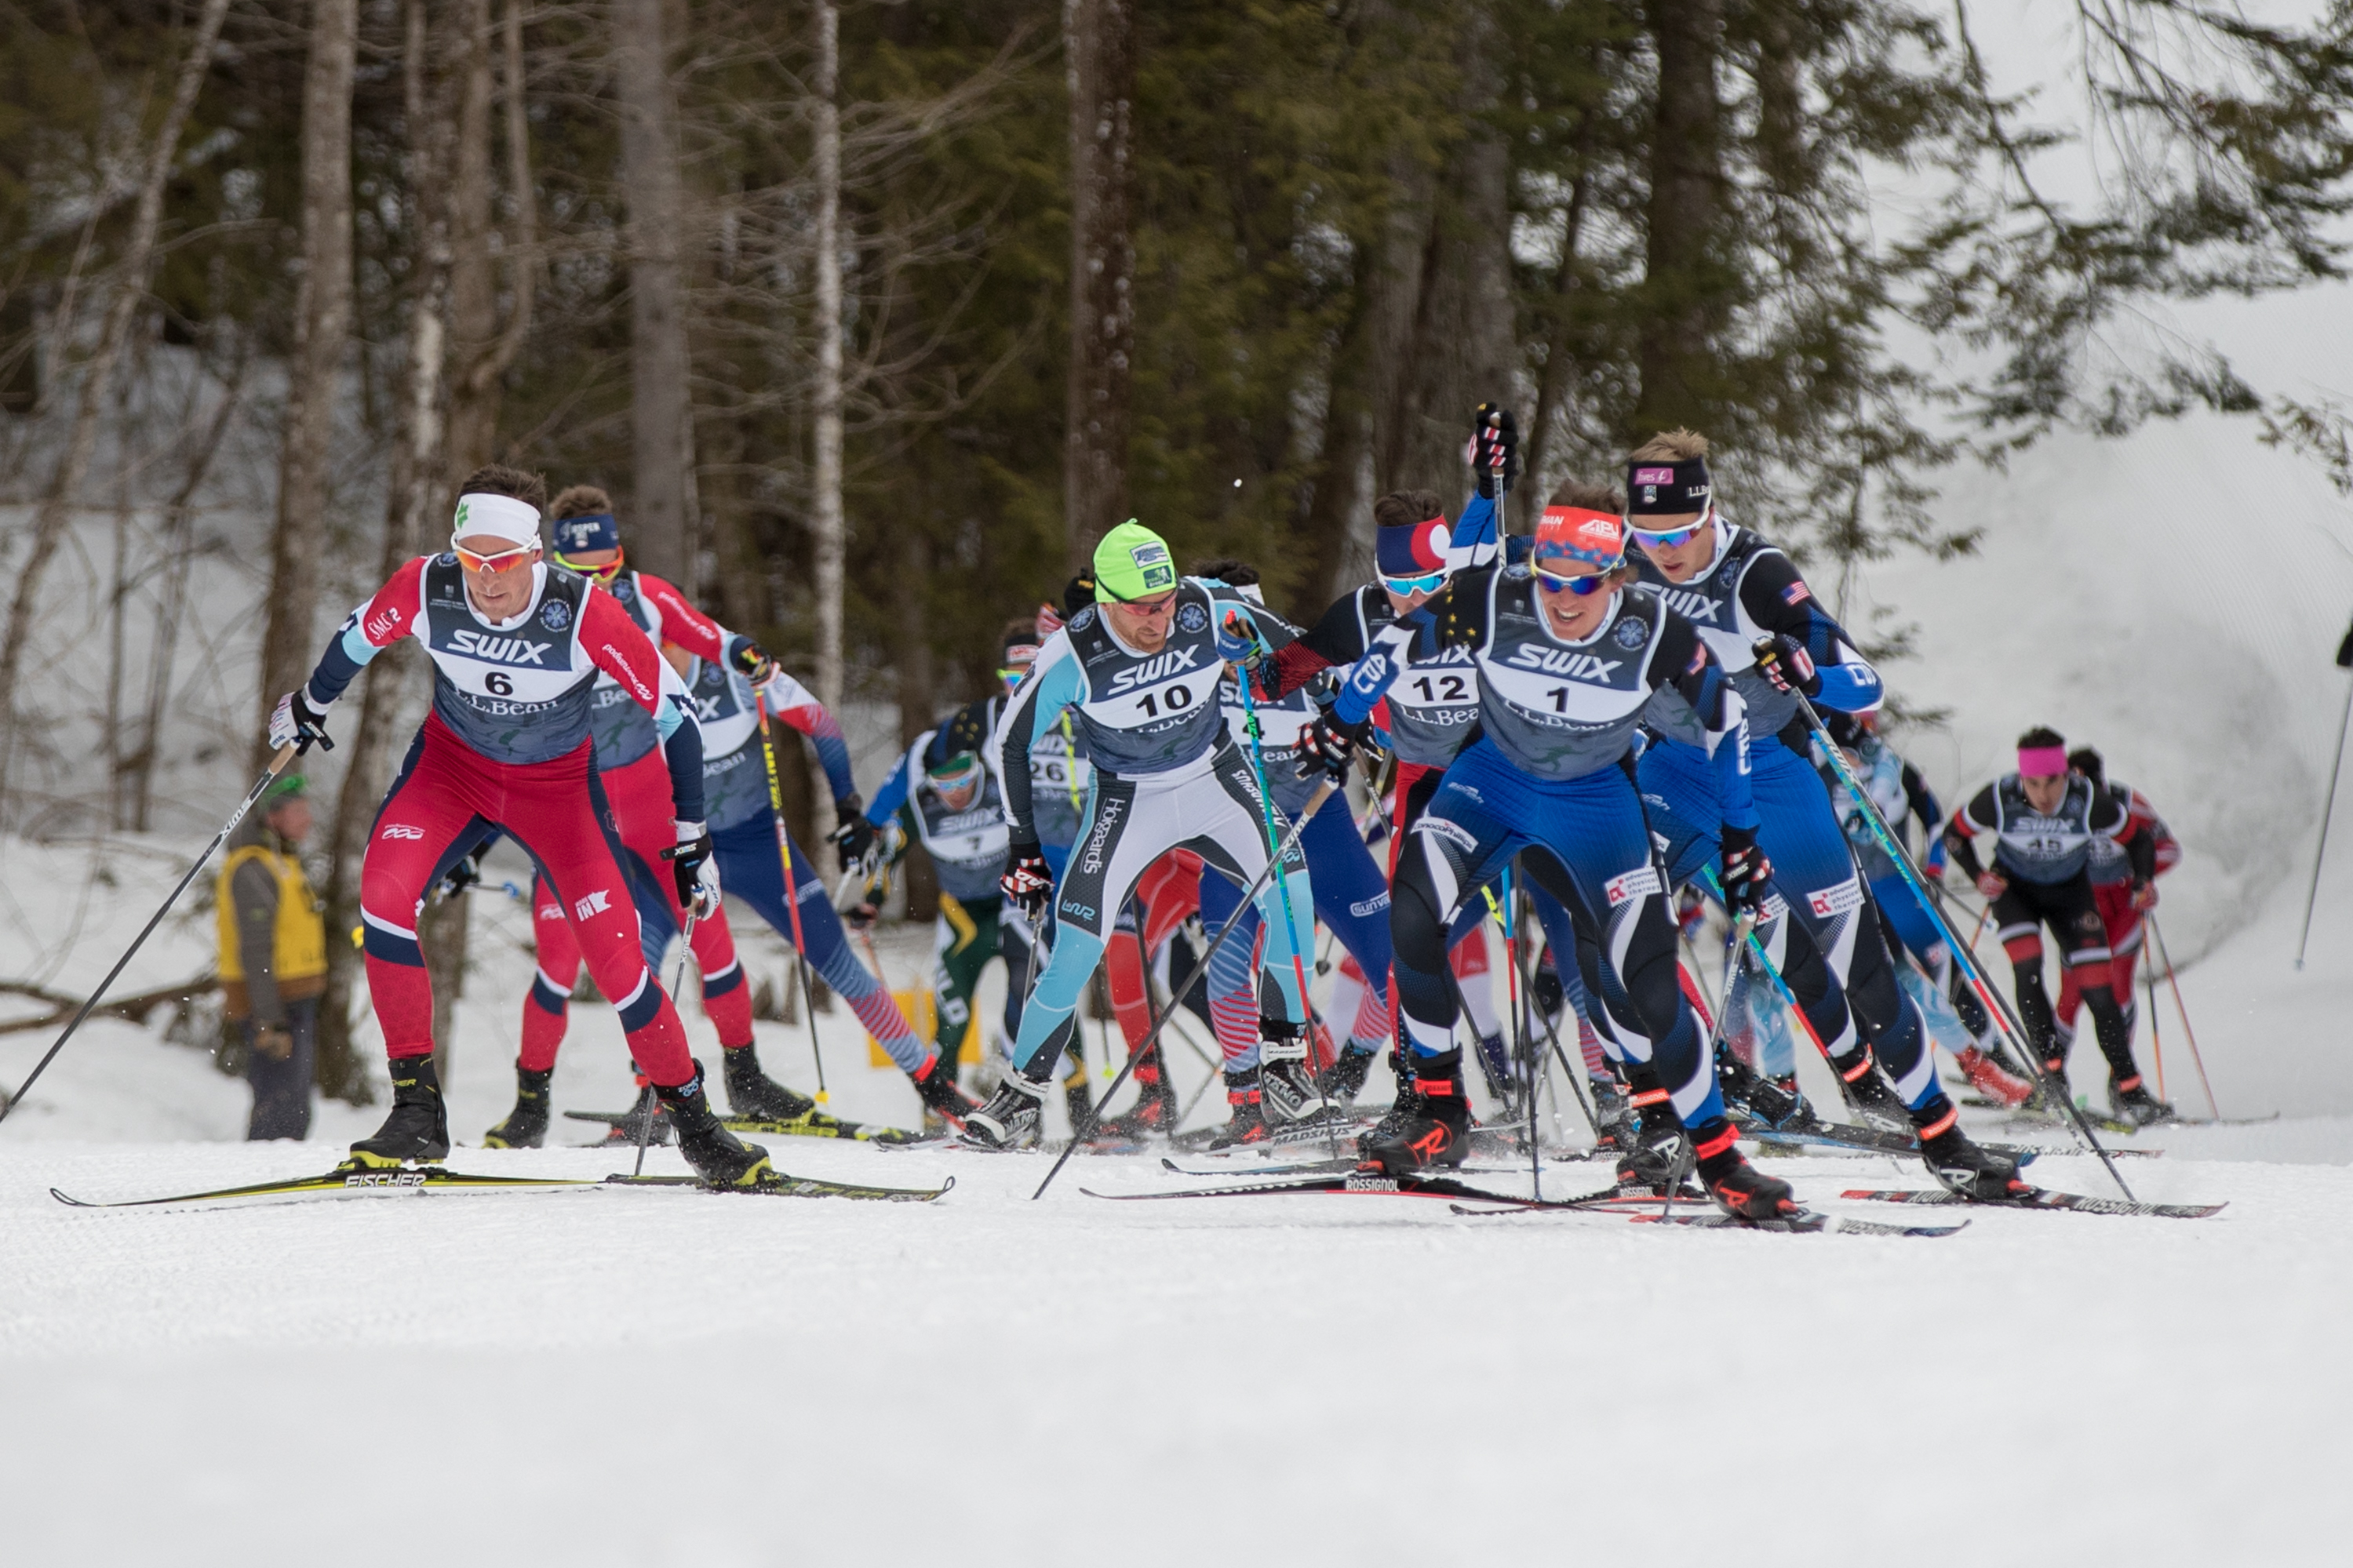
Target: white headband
point(500, 517)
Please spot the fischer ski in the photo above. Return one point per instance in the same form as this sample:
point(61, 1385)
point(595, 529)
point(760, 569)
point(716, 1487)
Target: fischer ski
point(2042, 1198)
point(343, 1181)
point(814, 1124)
point(780, 1183)
point(1806, 1222)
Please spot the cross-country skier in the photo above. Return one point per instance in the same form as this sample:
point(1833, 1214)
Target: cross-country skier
point(943, 794)
point(2112, 889)
point(2039, 823)
point(1748, 603)
point(1138, 670)
point(1902, 794)
point(516, 647)
point(633, 776)
point(1567, 654)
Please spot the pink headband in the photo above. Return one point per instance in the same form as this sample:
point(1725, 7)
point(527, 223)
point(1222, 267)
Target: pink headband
point(2041, 762)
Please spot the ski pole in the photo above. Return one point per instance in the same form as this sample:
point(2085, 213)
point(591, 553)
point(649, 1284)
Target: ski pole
point(1996, 1005)
point(1252, 727)
point(277, 764)
point(1201, 968)
point(2188, 1033)
point(2155, 1035)
point(1503, 916)
point(648, 1100)
point(792, 896)
point(1734, 952)
point(2327, 811)
point(1765, 966)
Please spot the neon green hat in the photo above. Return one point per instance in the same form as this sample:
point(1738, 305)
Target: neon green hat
point(283, 788)
point(1133, 562)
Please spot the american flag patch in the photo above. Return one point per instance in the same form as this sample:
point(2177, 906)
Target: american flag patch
point(1796, 593)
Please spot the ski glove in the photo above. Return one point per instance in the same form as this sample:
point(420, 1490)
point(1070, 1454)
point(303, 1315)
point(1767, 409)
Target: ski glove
point(1785, 662)
point(1493, 452)
point(1238, 640)
point(1028, 882)
point(1992, 884)
point(695, 874)
point(1330, 744)
point(751, 661)
point(1746, 870)
point(294, 723)
point(2144, 896)
point(853, 838)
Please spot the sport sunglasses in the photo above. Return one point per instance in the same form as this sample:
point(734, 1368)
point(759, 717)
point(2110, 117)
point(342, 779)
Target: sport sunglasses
point(1406, 587)
point(498, 561)
point(600, 574)
point(1580, 587)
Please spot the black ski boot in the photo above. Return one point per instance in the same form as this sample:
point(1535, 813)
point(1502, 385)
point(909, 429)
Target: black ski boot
point(629, 1131)
point(1248, 1122)
point(718, 1156)
point(1868, 1093)
point(1439, 1132)
point(1345, 1079)
point(1404, 1109)
point(1009, 1120)
point(1077, 1102)
point(418, 1127)
point(526, 1125)
point(1613, 1117)
point(1959, 1164)
point(1769, 1102)
point(943, 1099)
point(754, 1096)
point(1739, 1188)
point(2132, 1102)
point(1650, 1163)
point(1155, 1108)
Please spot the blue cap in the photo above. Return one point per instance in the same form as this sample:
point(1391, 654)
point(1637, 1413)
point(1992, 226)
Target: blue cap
point(597, 530)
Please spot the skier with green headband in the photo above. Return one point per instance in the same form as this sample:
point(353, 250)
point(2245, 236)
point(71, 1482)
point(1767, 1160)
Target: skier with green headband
point(1138, 670)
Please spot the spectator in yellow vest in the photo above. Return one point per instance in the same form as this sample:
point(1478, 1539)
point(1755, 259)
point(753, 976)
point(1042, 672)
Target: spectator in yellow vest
point(273, 958)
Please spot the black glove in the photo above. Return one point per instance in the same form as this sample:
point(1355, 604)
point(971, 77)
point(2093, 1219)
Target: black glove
point(1330, 745)
point(1746, 870)
point(1784, 661)
point(1078, 592)
point(1494, 449)
point(294, 723)
point(687, 862)
point(750, 658)
point(2345, 652)
point(467, 872)
point(1028, 882)
point(855, 835)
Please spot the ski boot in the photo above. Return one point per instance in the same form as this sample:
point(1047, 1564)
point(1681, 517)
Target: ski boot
point(1077, 1102)
point(717, 1155)
point(418, 1127)
point(1287, 1093)
point(944, 1101)
point(1345, 1079)
point(1155, 1108)
point(1959, 1164)
point(1769, 1102)
point(632, 1129)
point(2131, 1101)
point(526, 1125)
point(1438, 1133)
point(1009, 1120)
point(1248, 1122)
point(754, 1096)
point(1739, 1188)
point(1407, 1106)
point(1613, 1117)
point(1868, 1093)
point(1993, 1080)
point(1651, 1162)
point(1495, 1067)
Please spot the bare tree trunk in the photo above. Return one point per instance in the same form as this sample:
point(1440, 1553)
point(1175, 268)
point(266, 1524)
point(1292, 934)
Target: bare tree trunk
point(918, 701)
point(1099, 70)
point(473, 322)
point(1686, 198)
point(1552, 385)
point(661, 409)
point(322, 314)
point(419, 467)
point(828, 527)
point(129, 288)
point(179, 550)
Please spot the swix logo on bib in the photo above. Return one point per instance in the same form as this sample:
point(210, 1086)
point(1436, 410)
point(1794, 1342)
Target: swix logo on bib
point(2040, 847)
point(1556, 710)
point(1702, 610)
point(1148, 712)
point(967, 846)
point(1628, 885)
point(516, 693)
point(1712, 605)
point(1828, 903)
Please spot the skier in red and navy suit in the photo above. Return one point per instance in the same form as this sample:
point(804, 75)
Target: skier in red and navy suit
point(516, 647)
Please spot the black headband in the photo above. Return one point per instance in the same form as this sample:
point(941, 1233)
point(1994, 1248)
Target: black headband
point(1667, 489)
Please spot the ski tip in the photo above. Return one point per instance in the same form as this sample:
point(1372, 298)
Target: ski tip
point(71, 1202)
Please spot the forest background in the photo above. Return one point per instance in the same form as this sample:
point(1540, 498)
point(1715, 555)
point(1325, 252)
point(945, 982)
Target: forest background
point(872, 316)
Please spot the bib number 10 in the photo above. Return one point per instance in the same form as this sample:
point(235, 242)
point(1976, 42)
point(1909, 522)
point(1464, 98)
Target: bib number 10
point(1170, 699)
